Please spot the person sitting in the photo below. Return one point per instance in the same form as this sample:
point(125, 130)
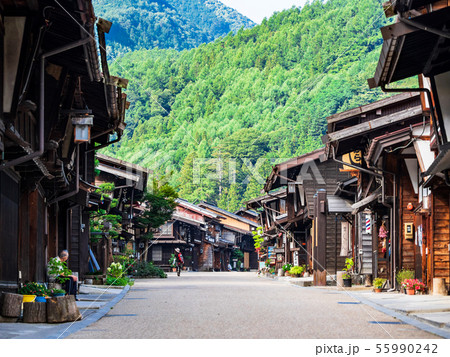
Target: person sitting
point(70, 280)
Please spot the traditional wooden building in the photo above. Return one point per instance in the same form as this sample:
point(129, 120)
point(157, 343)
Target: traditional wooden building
point(190, 229)
point(236, 232)
point(307, 218)
point(420, 32)
point(130, 182)
point(59, 104)
point(377, 140)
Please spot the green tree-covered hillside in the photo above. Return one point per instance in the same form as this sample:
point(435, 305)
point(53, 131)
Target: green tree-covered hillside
point(177, 24)
point(237, 103)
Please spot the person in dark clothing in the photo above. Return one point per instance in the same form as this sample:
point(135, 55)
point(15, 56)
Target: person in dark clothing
point(179, 260)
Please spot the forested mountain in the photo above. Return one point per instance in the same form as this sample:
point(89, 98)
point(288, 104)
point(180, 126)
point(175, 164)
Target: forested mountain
point(261, 94)
point(177, 24)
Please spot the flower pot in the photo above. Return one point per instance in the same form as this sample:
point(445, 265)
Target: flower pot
point(347, 283)
point(40, 299)
point(29, 298)
point(286, 273)
point(410, 291)
point(174, 270)
point(378, 290)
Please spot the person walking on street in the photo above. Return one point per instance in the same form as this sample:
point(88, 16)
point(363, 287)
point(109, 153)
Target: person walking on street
point(179, 260)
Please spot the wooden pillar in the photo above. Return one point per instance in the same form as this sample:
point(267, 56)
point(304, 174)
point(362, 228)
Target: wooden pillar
point(321, 238)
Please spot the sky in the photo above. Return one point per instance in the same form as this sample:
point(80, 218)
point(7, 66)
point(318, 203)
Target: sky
point(257, 10)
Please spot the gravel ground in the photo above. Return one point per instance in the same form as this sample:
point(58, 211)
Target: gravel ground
point(241, 305)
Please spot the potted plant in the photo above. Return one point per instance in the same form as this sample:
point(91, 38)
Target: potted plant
point(408, 285)
point(402, 275)
point(33, 292)
point(297, 271)
point(420, 287)
point(286, 268)
point(378, 284)
point(172, 262)
point(28, 292)
point(58, 270)
point(57, 292)
point(413, 285)
point(347, 276)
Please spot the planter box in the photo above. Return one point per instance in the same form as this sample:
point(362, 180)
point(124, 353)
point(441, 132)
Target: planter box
point(347, 283)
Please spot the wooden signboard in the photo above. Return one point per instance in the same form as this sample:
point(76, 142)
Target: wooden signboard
point(354, 158)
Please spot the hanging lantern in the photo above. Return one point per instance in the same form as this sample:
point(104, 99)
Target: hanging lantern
point(410, 206)
point(83, 128)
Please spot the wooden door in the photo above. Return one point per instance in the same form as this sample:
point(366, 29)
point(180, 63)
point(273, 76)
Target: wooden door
point(246, 260)
point(9, 228)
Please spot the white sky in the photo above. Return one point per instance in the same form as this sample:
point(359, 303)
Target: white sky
point(257, 10)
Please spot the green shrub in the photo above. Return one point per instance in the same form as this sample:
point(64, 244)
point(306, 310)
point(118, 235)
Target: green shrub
point(348, 267)
point(287, 267)
point(297, 270)
point(378, 283)
point(404, 274)
point(123, 281)
point(148, 269)
point(59, 270)
point(33, 289)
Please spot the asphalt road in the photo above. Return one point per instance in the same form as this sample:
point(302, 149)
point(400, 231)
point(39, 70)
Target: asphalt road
point(241, 305)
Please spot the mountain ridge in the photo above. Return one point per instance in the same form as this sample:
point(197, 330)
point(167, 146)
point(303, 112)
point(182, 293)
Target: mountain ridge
point(176, 24)
point(248, 100)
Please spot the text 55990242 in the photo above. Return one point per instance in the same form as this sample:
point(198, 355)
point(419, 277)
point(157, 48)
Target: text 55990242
point(418, 348)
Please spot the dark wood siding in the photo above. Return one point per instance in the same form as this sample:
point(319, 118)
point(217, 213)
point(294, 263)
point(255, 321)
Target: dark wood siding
point(52, 250)
point(441, 234)
point(331, 174)
point(74, 239)
point(407, 195)
point(32, 245)
point(9, 228)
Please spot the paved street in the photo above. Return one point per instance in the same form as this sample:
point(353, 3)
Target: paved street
point(241, 305)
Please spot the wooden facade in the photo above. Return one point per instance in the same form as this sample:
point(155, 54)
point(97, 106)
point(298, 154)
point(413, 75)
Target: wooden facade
point(51, 77)
point(206, 235)
point(428, 252)
point(304, 217)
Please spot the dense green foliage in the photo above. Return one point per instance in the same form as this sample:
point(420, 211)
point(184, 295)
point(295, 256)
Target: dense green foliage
point(178, 24)
point(250, 99)
point(160, 202)
point(148, 269)
point(101, 221)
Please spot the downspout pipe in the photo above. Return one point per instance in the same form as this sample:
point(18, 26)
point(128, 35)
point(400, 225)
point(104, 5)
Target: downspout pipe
point(104, 145)
point(420, 90)
point(40, 151)
point(77, 182)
